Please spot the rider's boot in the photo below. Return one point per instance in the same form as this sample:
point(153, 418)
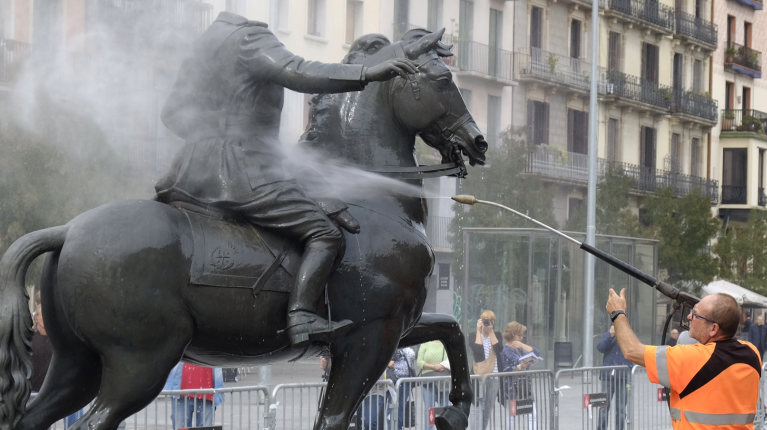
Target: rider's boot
point(304, 325)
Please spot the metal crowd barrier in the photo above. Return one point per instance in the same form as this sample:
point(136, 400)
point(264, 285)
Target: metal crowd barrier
point(596, 398)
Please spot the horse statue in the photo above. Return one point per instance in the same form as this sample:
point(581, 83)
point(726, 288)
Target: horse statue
point(132, 287)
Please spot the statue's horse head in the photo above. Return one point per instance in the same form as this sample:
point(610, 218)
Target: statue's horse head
point(427, 103)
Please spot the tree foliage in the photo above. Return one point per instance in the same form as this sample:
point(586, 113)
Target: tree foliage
point(740, 250)
point(51, 170)
point(684, 227)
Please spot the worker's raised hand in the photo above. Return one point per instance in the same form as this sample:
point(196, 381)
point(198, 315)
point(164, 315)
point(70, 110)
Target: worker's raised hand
point(389, 69)
point(616, 302)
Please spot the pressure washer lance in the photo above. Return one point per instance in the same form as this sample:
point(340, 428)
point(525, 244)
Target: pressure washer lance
point(667, 290)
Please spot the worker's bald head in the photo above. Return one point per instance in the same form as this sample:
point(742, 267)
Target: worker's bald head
point(725, 311)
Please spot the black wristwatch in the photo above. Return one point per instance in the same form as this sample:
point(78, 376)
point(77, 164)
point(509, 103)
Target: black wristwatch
point(615, 314)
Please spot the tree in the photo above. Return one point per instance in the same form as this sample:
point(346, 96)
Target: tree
point(613, 216)
point(684, 227)
point(740, 249)
point(502, 180)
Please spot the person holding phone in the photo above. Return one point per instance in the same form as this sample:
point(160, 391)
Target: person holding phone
point(485, 339)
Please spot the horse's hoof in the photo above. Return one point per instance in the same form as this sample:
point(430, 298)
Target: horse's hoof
point(451, 418)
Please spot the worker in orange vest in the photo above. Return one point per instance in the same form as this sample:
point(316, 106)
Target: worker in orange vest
point(714, 384)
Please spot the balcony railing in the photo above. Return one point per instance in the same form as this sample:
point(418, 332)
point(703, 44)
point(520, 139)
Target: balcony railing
point(400, 28)
point(638, 89)
point(696, 28)
point(744, 120)
point(438, 231)
point(552, 163)
point(694, 104)
point(648, 11)
point(556, 68)
point(743, 59)
point(12, 55)
point(733, 195)
point(480, 58)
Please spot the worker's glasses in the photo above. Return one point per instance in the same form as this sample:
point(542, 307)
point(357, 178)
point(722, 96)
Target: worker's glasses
point(695, 315)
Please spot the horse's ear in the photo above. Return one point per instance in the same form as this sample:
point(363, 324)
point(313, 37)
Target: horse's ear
point(428, 42)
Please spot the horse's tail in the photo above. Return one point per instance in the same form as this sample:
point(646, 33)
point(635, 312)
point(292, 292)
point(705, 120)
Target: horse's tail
point(16, 322)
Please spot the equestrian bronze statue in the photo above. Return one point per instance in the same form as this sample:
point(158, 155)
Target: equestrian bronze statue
point(132, 287)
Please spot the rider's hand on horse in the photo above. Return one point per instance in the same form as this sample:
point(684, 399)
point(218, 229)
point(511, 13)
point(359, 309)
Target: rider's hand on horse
point(346, 221)
point(389, 69)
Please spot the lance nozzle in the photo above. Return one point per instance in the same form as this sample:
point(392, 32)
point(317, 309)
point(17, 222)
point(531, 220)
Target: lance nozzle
point(465, 199)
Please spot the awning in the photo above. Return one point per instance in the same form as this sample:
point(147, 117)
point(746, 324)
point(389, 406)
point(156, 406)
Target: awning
point(746, 298)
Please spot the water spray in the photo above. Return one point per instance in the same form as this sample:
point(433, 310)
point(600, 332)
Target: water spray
point(680, 297)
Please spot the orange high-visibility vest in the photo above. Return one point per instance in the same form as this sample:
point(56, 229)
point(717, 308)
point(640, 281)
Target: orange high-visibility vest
point(713, 386)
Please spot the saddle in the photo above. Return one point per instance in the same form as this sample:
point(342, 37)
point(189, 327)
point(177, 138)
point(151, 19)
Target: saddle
point(233, 253)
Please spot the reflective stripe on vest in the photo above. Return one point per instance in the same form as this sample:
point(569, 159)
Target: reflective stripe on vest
point(712, 419)
point(662, 366)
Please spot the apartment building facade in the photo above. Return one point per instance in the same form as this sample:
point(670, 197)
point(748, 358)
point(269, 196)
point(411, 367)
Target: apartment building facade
point(655, 109)
point(740, 143)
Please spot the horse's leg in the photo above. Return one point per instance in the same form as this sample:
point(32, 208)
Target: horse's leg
point(445, 329)
point(75, 371)
point(134, 373)
point(357, 360)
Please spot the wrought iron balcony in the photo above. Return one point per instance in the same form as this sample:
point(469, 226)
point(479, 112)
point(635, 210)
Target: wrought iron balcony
point(12, 55)
point(638, 89)
point(742, 59)
point(570, 166)
point(744, 121)
point(438, 231)
point(696, 28)
point(479, 58)
point(734, 195)
point(696, 105)
point(539, 65)
point(646, 12)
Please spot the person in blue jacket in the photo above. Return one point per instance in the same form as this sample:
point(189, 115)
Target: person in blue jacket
point(187, 376)
point(614, 381)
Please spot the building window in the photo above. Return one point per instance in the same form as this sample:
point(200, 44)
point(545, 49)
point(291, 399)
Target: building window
point(729, 95)
point(434, 15)
point(731, 27)
point(577, 131)
point(747, 34)
point(696, 160)
point(236, 6)
point(697, 76)
point(650, 56)
point(316, 18)
point(573, 205)
point(734, 168)
point(575, 39)
point(495, 58)
point(537, 122)
point(536, 27)
point(647, 148)
point(613, 140)
point(677, 82)
point(278, 14)
point(353, 20)
point(467, 95)
point(401, 18)
point(675, 156)
point(614, 56)
point(745, 102)
point(494, 120)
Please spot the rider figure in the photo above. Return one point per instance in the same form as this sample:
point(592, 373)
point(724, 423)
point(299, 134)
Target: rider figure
point(226, 104)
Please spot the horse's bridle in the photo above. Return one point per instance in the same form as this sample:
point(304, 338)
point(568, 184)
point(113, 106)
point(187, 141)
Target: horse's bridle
point(456, 168)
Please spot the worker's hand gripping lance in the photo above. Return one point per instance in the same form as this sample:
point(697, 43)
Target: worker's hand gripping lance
point(680, 297)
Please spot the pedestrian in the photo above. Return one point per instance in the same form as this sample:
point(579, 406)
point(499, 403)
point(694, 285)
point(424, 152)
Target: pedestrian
point(402, 365)
point(201, 407)
point(715, 383)
point(484, 339)
point(511, 360)
point(674, 338)
point(757, 335)
point(431, 360)
point(614, 381)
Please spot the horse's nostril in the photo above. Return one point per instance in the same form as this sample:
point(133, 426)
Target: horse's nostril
point(481, 143)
